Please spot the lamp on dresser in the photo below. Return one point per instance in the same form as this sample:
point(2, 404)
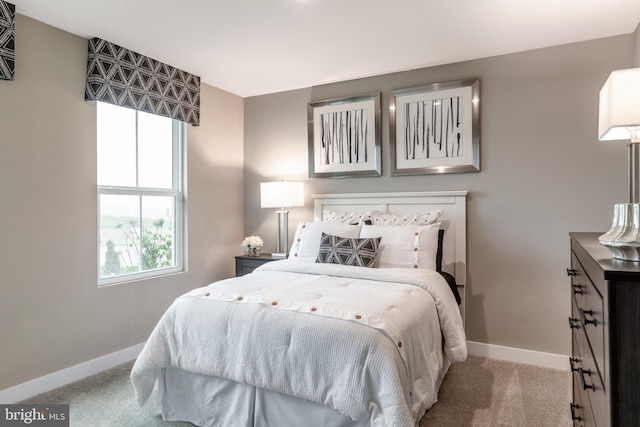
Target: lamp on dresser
point(619, 119)
point(281, 194)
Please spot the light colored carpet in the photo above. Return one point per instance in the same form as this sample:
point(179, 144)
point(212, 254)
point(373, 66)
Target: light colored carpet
point(479, 392)
point(486, 392)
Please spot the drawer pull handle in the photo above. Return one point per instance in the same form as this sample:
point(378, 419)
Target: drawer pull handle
point(574, 408)
point(574, 323)
point(571, 272)
point(585, 321)
point(582, 373)
point(573, 360)
point(577, 290)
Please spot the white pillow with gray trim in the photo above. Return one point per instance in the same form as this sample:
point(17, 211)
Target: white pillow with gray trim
point(306, 242)
point(405, 246)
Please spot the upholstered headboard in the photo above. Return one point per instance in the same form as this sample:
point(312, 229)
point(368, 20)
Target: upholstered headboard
point(453, 220)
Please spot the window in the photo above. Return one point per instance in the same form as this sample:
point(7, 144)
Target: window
point(139, 194)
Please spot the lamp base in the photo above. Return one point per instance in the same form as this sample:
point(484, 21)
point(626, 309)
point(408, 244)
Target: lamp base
point(278, 255)
point(623, 239)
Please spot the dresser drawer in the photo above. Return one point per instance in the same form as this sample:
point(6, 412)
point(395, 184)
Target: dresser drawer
point(578, 280)
point(588, 380)
point(590, 310)
point(592, 317)
point(580, 412)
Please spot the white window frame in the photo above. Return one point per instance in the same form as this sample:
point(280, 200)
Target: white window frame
point(179, 142)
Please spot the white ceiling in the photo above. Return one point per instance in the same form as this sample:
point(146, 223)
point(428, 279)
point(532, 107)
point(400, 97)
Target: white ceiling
point(254, 47)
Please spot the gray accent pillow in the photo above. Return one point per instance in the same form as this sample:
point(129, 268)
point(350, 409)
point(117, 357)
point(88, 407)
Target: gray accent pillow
point(348, 251)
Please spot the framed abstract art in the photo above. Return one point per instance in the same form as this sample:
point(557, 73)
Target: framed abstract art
point(344, 137)
point(435, 128)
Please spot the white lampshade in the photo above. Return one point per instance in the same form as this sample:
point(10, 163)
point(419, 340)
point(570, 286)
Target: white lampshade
point(620, 105)
point(281, 194)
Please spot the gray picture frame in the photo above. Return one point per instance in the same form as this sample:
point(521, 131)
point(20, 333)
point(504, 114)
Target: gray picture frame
point(435, 128)
point(344, 137)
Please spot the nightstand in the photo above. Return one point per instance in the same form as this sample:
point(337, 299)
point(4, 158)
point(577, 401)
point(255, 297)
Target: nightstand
point(246, 264)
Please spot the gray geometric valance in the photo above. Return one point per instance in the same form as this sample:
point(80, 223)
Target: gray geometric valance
point(7, 40)
point(122, 77)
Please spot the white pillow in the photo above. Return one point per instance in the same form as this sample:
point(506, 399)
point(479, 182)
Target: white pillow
point(348, 217)
point(405, 246)
point(306, 242)
point(420, 218)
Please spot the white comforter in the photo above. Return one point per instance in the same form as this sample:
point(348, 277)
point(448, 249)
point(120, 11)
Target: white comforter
point(366, 342)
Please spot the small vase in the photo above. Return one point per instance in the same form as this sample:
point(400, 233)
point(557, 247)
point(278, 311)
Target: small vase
point(252, 251)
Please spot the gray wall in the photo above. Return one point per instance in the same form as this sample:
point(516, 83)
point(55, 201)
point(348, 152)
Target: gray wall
point(636, 50)
point(52, 314)
point(543, 174)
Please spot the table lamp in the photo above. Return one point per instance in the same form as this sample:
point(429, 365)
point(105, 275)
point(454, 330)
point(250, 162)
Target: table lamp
point(619, 119)
point(281, 194)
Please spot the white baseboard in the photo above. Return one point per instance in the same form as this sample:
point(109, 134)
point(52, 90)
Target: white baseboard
point(518, 355)
point(65, 376)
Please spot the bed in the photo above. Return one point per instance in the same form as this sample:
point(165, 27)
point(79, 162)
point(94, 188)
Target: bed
point(356, 328)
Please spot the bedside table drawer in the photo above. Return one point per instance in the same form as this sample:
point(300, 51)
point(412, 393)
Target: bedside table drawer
point(246, 264)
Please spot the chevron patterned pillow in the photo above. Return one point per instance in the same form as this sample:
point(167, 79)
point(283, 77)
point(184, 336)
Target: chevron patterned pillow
point(348, 251)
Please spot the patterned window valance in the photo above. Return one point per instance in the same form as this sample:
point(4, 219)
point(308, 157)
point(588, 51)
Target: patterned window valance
point(122, 77)
point(7, 37)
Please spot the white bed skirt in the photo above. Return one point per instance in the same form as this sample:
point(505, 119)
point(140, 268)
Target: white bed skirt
point(216, 402)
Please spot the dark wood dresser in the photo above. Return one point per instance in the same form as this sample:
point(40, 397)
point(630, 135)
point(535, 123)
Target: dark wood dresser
point(605, 324)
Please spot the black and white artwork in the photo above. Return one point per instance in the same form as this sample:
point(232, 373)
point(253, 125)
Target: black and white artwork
point(344, 137)
point(435, 128)
point(7, 40)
